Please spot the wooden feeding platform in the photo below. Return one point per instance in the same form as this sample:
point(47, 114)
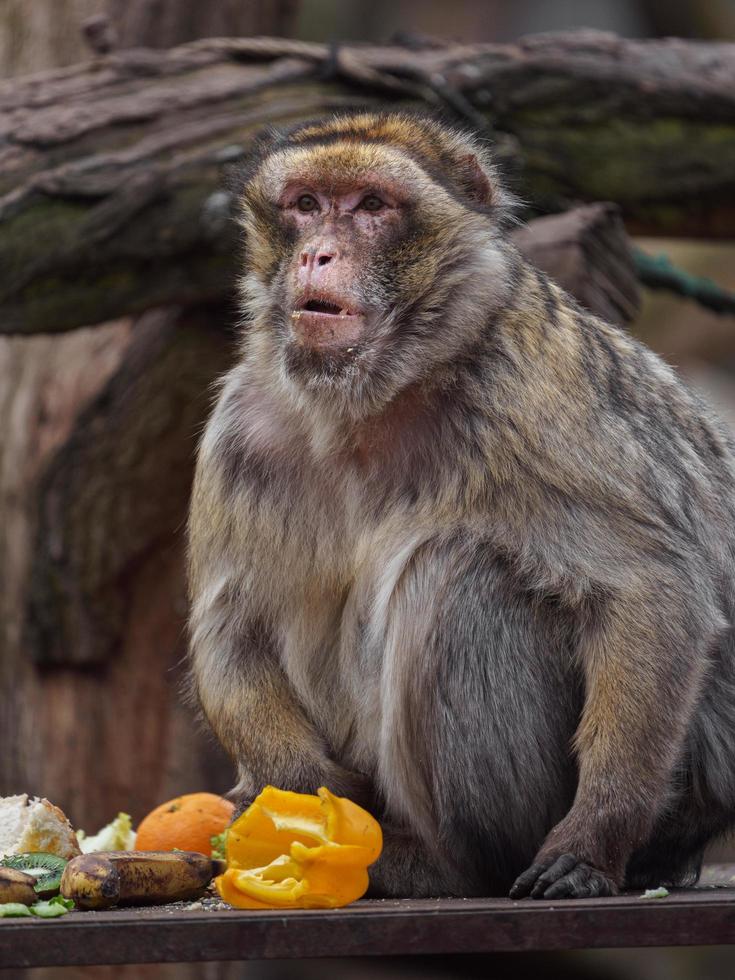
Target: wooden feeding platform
point(174, 934)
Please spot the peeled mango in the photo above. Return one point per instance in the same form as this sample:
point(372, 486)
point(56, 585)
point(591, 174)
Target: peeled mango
point(297, 851)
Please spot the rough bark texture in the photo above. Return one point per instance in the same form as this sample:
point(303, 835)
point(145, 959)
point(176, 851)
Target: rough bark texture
point(170, 22)
point(117, 489)
point(41, 34)
point(109, 444)
point(111, 195)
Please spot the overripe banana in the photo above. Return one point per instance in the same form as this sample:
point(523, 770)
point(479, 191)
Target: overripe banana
point(105, 878)
point(16, 886)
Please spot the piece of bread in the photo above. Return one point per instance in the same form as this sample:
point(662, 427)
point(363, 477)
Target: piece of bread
point(35, 825)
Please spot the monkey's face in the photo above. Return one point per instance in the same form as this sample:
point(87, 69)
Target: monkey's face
point(366, 262)
point(333, 285)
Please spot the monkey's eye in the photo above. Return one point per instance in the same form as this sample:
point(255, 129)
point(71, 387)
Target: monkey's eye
point(307, 203)
point(371, 202)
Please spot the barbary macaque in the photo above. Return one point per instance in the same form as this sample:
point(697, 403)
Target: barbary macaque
point(459, 550)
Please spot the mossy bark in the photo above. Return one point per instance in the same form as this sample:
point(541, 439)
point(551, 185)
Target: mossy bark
point(112, 174)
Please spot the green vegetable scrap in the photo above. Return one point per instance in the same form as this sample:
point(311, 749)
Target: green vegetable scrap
point(660, 892)
point(116, 836)
point(44, 910)
point(53, 908)
point(13, 909)
point(218, 846)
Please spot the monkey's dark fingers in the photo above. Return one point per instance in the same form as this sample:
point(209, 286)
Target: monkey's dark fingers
point(555, 872)
point(524, 884)
point(582, 882)
point(599, 886)
point(563, 877)
point(570, 878)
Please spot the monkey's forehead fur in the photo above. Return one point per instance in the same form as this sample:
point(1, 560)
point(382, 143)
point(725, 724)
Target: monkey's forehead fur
point(402, 149)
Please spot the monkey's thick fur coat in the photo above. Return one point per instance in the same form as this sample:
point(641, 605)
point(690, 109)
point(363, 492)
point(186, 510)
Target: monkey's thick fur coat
point(477, 572)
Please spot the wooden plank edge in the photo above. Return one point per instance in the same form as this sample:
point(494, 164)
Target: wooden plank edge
point(368, 929)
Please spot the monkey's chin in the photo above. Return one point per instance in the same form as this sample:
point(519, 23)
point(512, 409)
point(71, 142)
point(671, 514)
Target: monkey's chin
point(332, 333)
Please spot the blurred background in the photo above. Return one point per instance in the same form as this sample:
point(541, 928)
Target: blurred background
point(99, 425)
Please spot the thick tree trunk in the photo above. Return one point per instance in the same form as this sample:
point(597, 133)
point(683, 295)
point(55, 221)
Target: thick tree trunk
point(41, 34)
point(111, 196)
point(165, 23)
point(95, 467)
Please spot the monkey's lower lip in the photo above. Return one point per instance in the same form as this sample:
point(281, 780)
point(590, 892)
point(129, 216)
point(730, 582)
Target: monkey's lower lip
point(319, 328)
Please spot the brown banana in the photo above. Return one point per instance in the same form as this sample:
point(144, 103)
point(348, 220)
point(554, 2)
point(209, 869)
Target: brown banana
point(102, 879)
point(16, 886)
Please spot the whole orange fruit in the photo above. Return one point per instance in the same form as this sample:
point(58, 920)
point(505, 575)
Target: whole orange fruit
point(187, 823)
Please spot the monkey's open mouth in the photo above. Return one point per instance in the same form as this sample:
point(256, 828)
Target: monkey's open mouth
point(325, 324)
point(322, 306)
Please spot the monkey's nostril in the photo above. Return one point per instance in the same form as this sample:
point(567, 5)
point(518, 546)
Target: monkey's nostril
point(324, 259)
point(304, 258)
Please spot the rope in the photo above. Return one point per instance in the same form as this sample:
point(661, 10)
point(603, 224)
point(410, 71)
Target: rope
point(658, 272)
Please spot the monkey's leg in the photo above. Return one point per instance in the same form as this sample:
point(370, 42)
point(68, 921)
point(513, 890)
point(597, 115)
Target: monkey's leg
point(252, 709)
point(703, 807)
point(408, 868)
point(644, 657)
point(673, 855)
point(479, 702)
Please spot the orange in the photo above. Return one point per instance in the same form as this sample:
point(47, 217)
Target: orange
point(187, 823)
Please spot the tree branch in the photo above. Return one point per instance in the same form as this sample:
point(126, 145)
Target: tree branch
point(111, 172)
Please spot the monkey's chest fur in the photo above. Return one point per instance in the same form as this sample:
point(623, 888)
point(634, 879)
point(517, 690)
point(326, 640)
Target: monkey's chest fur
point(399, 630)
point(331, 589)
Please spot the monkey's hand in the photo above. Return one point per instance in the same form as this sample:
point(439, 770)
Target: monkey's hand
point(562, 876)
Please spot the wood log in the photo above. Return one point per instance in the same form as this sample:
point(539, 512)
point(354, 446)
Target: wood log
point(587, 251)
point(95, 468)
point(111, 173)
point(118, 485)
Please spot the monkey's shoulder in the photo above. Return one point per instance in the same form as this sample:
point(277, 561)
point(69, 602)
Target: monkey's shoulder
point(551, 364)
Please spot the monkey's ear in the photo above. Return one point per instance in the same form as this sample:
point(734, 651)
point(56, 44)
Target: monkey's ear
point(474, 180)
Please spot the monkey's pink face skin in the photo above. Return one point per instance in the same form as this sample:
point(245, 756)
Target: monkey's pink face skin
point(337, 235)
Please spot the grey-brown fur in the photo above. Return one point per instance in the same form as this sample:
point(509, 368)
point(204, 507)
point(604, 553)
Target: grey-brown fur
point(478, 575)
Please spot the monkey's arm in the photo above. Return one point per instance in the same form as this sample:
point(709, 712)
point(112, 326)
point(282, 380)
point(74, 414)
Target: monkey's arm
point(643, 654)
point(256, 716)
point(252, 709)
point(236, 675)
